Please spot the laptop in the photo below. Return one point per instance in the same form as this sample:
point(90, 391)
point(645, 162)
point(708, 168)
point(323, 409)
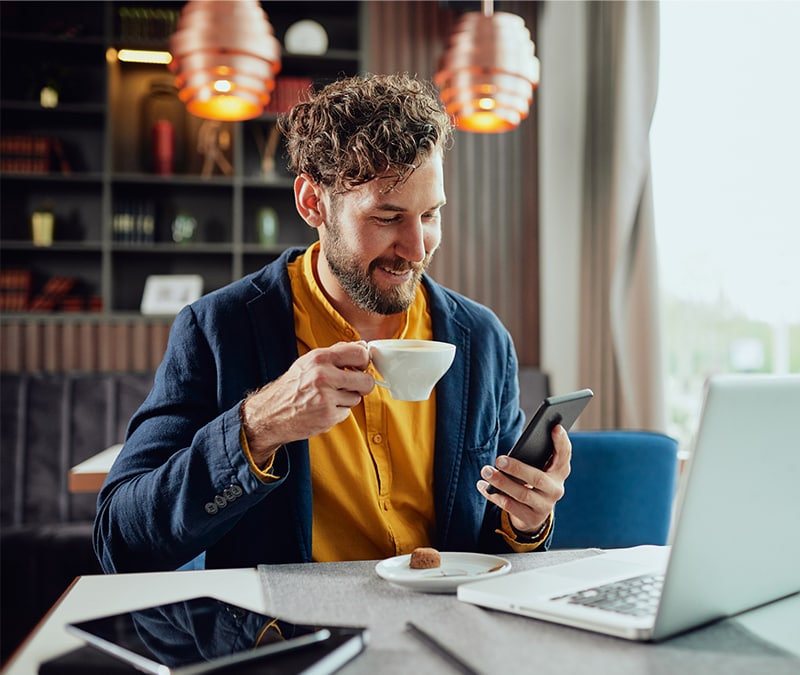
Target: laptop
point(735, 537)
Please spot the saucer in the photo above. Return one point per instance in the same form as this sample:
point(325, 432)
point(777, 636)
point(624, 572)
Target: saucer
point(456, 568)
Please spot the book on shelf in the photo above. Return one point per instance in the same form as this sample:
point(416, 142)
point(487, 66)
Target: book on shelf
point(32, 153)
point(134, 223)
point(52, 294)
point(15, 290)
point(289, 90)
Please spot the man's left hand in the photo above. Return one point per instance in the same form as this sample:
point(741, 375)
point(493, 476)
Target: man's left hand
point(527, 493)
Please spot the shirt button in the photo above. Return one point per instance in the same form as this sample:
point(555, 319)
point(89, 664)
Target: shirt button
point(349, 332)
point(211, 508)
point(377, 438)
point(385, 504)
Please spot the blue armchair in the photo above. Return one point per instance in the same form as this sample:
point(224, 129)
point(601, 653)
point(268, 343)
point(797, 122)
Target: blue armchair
point(620, 491)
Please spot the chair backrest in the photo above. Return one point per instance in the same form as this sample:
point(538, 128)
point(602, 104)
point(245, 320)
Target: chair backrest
point(620, 491)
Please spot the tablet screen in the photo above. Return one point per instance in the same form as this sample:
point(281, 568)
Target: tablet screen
point(204, 633)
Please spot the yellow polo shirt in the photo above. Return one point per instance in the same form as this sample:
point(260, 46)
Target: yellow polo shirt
point(372, 474)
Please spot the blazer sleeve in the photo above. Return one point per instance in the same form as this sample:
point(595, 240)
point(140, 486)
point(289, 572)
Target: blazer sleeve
point(181, 481)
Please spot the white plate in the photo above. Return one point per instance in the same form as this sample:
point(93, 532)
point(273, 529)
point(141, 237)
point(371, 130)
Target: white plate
point(456, 568)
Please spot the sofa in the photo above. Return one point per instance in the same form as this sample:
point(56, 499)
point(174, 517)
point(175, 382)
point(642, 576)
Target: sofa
point(50, 422)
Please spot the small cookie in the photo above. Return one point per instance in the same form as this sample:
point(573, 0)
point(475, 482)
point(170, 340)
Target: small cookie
point(424, 558)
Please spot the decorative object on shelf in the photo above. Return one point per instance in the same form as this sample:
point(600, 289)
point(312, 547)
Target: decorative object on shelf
point(306, 37)
point(267, 226)
point(43, 222)
point(213, 141)
point(184, 228)
point(487, 75)
point(225, 59)
point(50, 83)
point(162, 128)
point(169, 293)
point(48, 97)
point(163, 148)
point(267, 147)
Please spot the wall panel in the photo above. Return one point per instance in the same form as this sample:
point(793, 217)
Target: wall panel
point(91, 344)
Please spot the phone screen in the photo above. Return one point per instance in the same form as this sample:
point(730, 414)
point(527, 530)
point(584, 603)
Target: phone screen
point(535, 445)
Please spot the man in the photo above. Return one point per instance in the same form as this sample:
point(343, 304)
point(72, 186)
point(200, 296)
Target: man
point(264, 439)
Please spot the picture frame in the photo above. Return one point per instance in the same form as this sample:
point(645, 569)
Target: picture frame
point(169, 293)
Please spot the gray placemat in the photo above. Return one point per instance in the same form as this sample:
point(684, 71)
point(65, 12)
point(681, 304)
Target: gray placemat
point(489, 641)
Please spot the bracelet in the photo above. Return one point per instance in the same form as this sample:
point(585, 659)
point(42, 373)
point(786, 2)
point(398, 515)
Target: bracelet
point(530, 537)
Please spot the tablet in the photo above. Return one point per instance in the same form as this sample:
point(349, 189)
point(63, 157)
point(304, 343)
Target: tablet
point(202, 634)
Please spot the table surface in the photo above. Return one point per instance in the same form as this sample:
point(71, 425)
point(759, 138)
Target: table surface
point(90, 474)
point(766, 640)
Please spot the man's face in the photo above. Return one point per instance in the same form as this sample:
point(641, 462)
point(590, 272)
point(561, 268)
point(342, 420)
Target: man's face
point(377, 244)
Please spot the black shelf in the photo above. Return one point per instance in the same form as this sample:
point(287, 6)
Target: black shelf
point(104, 169)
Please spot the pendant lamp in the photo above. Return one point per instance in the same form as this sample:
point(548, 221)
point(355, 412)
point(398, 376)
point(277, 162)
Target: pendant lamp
point(487, 75)
point(225, 57)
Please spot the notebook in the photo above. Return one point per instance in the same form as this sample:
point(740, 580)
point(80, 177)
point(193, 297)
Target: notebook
point(734, 540)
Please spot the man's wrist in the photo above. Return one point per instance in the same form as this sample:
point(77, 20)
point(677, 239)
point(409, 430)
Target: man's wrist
point(532, 537)
point(260, 462)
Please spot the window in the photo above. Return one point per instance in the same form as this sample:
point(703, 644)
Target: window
point(725, 147)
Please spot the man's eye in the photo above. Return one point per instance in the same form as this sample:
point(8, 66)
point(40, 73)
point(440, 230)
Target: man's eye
point(388, 221)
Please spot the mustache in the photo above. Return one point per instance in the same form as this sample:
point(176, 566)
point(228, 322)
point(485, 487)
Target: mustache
point(400, 264)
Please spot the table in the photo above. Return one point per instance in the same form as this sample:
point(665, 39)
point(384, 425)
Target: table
point(89, 475)
point(761, 641)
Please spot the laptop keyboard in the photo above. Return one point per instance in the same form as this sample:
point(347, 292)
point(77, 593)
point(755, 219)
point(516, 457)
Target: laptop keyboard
point(637, 596)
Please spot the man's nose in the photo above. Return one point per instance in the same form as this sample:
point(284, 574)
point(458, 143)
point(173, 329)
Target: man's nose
point(411, 244)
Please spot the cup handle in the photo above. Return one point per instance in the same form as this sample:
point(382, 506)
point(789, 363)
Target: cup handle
point(380, 383)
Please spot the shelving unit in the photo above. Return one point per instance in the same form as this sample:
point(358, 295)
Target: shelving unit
point(113, 214)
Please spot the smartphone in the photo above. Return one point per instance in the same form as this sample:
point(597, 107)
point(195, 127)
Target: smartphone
point(535, 445)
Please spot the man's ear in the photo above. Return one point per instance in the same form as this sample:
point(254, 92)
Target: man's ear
point(309, 199)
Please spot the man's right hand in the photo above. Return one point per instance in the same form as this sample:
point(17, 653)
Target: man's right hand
point(315, 394)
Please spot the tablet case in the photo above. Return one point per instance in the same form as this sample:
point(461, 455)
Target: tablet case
point(91, 661)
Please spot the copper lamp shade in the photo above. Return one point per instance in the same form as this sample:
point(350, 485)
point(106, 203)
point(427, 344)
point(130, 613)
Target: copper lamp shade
point(487, 75)
point(225, 57)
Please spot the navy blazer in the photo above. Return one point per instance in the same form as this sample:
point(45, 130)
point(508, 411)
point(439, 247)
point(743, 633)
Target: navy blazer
point(182, 486)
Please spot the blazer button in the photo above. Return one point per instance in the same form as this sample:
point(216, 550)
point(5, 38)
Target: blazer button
point(220, 501)
point(230, 493)
point(211, 508)
point(236, 490)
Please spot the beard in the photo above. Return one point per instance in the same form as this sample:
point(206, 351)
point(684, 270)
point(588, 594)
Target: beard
point(360, 285)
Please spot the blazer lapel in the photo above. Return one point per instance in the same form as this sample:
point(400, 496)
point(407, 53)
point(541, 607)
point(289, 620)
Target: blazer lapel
point(451, 409)
point(272, 319)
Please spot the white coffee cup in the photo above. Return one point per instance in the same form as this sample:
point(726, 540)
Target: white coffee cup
point(410, 368)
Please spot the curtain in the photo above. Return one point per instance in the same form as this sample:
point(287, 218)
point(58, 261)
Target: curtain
point(620, 351)
point(490, 239)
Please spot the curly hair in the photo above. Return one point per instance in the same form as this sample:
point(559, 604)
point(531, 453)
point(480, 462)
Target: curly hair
point(360, 128)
